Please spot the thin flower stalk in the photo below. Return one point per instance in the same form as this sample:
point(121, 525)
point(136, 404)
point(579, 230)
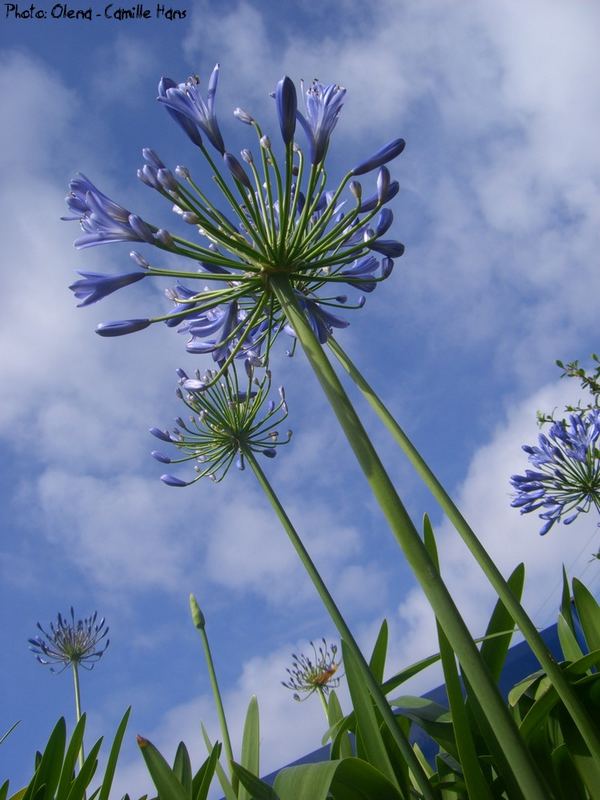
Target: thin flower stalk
point(504, 729)
point(547, 661)
point(200, 624)
point(230, 421)
point(373, 685)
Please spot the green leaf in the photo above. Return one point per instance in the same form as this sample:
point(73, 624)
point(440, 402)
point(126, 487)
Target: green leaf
point(182, 768)
point(589, 614)
point(586, 766)
point(257, 789)
point(366, 719)
point(203, 778)
point(8, 733)
point(568, 641)
point(250, 744)
point(67, 775)
point(50, 765)
point(113, 757)
point(494, 650)
point(565, 604)
point(347, 779)
point(86, 773)
point(567, 783)
point(221, 775)
point(340, 746)
point(377, 662)
point(163, 777)
point(18, 795)
point(432, 717)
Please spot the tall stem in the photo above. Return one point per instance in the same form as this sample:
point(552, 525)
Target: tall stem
point(505, 730)
point(493, 574)
point(81, 756)
point(345, 632)
point(218, 704)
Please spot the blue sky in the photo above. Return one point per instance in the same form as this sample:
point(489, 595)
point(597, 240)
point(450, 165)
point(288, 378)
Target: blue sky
point(498, 210)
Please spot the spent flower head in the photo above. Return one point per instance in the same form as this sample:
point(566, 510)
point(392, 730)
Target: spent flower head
point(231, 418)
point(69, 642)
point(317, 674)
point(278, 222)
point(566, 478)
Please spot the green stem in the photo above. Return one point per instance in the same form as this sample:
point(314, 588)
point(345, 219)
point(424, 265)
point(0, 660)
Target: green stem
point(218, 704)
point(493, 574)
point(344, 631)
point(440, 599)
point(81, 756)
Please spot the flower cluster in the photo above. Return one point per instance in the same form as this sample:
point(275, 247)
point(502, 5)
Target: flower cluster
point(71, 642)
point(282, 223)
point(319, 673)
point(228, 422)
point(566, 478)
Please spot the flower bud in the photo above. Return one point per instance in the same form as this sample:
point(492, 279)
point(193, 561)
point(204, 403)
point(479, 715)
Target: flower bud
point(382, 156)
point(243, 116)
point(197, 615)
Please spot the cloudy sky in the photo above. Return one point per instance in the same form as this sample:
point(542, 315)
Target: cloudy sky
point(499, 204)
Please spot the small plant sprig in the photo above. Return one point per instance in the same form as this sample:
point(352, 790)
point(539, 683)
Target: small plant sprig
point(590, 381)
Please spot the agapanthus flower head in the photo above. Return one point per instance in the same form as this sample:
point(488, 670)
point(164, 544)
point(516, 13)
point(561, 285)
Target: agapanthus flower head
point(318, 673)
point(566, 478)
point(279, 225)
point(231, 418)
point(68, 641)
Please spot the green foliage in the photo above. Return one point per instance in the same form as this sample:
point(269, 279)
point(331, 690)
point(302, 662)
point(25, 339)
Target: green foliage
point(55, 777)
point(177, 782)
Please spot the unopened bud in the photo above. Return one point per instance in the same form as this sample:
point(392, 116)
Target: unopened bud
point(197, 615)
point(356, 189)
point(243, 116)
point(265, 142)
point(247, 156)
point(164, 237)
point(182, 172)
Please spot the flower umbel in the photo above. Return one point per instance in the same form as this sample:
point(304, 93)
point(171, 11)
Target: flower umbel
point(281, 224)
point(317, 674)
point(229, 419)
point(70, 642)
point(566, 478)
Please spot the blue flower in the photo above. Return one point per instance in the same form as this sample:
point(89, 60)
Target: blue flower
point(71, 642)
point(101, 218)
point(190, 127)
point(566, 481)
point(231, 419)
point(187, 102)
point(95, 285)
point(323, 106)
